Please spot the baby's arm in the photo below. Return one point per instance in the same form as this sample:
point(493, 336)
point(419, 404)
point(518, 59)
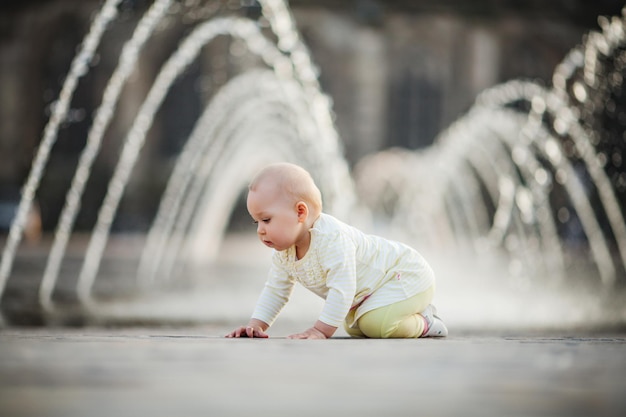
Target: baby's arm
point(336, 307)
point(273, 298)
point(341, 282)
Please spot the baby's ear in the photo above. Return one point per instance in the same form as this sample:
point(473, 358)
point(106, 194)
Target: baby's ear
point(303, 210)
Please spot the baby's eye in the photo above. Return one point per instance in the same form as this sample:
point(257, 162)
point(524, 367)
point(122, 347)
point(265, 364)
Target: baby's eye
point(265, 220)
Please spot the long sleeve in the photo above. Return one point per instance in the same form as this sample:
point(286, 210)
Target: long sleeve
point(275, 294)
point(341, 280)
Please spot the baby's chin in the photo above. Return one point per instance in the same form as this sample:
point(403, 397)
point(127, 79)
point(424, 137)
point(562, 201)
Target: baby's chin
point(274, 246)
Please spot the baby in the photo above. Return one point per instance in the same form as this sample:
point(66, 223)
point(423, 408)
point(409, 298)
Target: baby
point(375, 287)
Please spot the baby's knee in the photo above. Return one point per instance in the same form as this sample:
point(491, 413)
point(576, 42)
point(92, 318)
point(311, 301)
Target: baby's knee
point(375, 325)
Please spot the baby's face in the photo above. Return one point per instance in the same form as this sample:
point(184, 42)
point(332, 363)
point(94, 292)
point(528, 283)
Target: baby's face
point(275, 215)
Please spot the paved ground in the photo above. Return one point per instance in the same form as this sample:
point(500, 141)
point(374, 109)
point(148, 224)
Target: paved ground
point(195, 372)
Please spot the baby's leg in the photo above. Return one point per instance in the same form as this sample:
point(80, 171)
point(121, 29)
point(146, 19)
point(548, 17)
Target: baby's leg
point(398, 320)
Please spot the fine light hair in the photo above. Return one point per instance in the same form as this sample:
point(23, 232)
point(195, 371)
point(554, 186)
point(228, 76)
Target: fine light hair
point(294, 181)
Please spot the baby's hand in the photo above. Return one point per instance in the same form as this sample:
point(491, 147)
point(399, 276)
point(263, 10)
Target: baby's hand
point(248, 331)
point(320, 330)
point(311, 333)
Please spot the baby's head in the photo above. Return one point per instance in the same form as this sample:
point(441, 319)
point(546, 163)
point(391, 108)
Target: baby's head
point(291, 182)
point(284, 202)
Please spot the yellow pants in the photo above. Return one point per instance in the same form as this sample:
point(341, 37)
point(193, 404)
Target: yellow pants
point(398, 320)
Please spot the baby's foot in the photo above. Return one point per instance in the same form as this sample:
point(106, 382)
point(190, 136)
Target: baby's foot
point(434, 325)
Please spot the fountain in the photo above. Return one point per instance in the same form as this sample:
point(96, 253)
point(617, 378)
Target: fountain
point(531, 176)
point(524, 170)
point(287, 90)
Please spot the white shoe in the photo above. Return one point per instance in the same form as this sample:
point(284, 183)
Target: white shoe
point(434, 325)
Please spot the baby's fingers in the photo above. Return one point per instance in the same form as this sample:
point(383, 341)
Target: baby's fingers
point(237, 332)
point(247, 331)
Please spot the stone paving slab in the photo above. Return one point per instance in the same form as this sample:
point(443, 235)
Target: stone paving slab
point(196, 372)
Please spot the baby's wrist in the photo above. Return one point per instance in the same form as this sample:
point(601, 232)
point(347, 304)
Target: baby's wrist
point(324, 329)
point(320, 331)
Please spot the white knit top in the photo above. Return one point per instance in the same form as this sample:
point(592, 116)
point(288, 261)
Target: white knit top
point(345, 267)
